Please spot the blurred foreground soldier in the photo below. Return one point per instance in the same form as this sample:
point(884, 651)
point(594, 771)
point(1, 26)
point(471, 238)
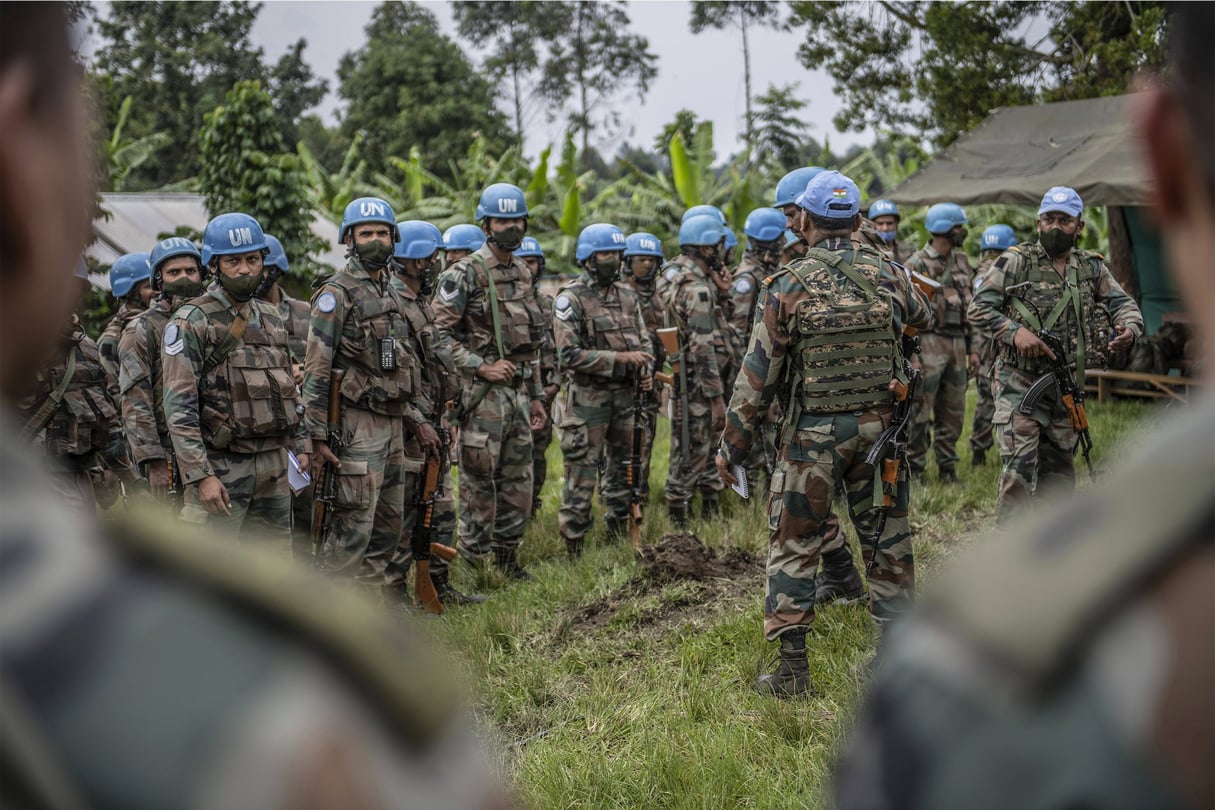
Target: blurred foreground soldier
point(231, 401)
point(131, 284)
point(488, 319)
point(642, 258)
point(995, 240)
point(106, 627)
point(827, 341)
point(885, 217)
point(1054, 286)
point(603, 350)
point(533, 256)
point(948, 348)
point(1097, 691)
point(177, 276)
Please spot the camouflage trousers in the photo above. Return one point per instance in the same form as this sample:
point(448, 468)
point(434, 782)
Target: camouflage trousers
point(495, 473)
point(1036, 450)
point(597, 428)
point(443, 530)
point(260, 499)
point(650, 420)
point(692, 469)
point(442, 519)
point(827, 452)
point(541, 439)
point(367, 515)
point(985, 408)
point(939, 409)
point(762, 460)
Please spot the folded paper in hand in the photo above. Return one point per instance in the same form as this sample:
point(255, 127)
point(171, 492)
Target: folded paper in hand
point(297, 477)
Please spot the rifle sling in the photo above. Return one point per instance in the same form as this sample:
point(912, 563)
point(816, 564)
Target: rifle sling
point(51, 404)
point(228, 342)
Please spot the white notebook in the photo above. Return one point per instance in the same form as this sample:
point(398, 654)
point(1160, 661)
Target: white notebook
point(740, 476)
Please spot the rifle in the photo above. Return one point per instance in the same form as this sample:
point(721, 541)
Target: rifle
point(679, 385)
point(635, 470)
point(171, 493)
point(326, 488)
point(1061, 378)
point(425, 595)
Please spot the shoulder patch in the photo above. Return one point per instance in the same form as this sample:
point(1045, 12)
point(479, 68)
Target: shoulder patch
point(449, 290)
point(742, 286)
point(563, 302)
point(704, 296)
point(326, 301)
point(670, 273)
point(1003, 260)
point(172, 331)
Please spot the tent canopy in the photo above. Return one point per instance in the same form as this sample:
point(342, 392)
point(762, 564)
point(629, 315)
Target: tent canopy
point(1017, 153)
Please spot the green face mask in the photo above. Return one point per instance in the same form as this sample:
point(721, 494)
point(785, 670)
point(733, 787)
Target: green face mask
point(1056, 241)
point(240, 288)
point(374, 254)
point(606, 272)
point(184, 287)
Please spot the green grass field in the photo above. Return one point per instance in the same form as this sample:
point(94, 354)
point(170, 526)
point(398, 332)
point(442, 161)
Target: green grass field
point(599, 688)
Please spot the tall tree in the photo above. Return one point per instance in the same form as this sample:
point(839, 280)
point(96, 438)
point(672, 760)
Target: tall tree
point(246, 167)
point(779, 130)
point(410, 85)
point(294, 88)
point(597, 58)
point(741, 14)
point(515, 35)
point(936, 69)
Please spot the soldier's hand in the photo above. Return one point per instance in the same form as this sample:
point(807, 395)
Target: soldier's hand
point(723, 469)
point(428, 438)
point(972, 364)
point(718, 406)
point(297, 371)
point(550, 393)
point(214, 496)
point(321, 455)
point(634, 359)
point(1028, 344)
point(539, 417)
point(647, 383)
point(1123, 338)
point(158, 475)
point(499, 371)
point(305, 460)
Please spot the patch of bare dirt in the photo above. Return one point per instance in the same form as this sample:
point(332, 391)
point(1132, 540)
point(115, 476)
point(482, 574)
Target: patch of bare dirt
point(683, 556)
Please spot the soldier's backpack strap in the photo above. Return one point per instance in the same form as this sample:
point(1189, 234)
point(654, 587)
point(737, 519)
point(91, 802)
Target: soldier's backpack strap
point(229, 341)
point(47, 409)
point(495, 316)
point(836, 261)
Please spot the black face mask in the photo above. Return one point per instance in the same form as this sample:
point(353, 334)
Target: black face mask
point(1056, 241)
point(958, 237)
point(270, 278)
point(713, 260)
point(507, 239)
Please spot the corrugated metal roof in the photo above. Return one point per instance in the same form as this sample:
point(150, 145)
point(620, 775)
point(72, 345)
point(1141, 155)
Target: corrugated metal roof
point(139, 219)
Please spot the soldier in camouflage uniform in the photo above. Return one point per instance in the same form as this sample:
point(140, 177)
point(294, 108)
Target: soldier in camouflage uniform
point(488, 318)
point(604, 353)
point(533, 256)
point(416, 249)
point(1048, 284)
point(689, 301)
point(996, 239)
point(885, 217)
point(828, 342)
point(642, 258)
point(459, 241)
point(229, 396)
point(1095, 692)
point(948, 348)
point(787, 192)
point(358, 324)
point(177, 276)
point(130, 283)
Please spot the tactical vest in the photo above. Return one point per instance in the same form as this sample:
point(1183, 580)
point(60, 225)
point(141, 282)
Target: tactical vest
point(252, 392)
point(511, 306)
point(377, 318)
point(950, 304)
point(155, 320)
point(1067, 307)
point(844, 348)
point(610, 325)
point(81, 423)
point(669, 284)
point(296, 316)
point(436, 382)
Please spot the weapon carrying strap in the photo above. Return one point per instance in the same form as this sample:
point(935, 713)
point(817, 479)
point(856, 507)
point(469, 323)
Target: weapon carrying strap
point(51, 404)
point(230, 340)
point(1071, 297)
point(496, 319)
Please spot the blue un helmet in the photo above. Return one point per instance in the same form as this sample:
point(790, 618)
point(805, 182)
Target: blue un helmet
point(697, 210)
point(943, 216)
point(229, 234)
point(502, 200)
point(367, 209)
point(702, 229)
point(643, 244)
point(127, 271)
point(598, 238)
point(529, 247)
point(997, 237)
point(463, 237)
point(167, 249)
point(793, 184)
point(417, 240)
point(278, 256)
point(764, 225)
point(731, 239)
point(884, 208)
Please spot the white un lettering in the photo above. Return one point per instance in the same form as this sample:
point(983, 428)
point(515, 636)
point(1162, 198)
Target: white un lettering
point(369, 209)
point(507, 206)
point(240, 236)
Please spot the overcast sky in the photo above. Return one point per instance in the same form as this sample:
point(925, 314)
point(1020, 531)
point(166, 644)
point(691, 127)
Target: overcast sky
point(703, 72)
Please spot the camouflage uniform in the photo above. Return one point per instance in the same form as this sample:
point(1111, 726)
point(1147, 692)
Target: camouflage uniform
point(901, 250)
point(985, 406)
point(652, 316)
point(107, 345)
point(940, 404)
point(358, 322)
point(1095, 691)
point(296, 315)
point(744, 295)
point(141, 382)
point(541, 439)
point(1037, 449)
point(496, 455)
point(689, 299)
point(838, 404)
point(232, 413)
point(71, 417)
point(593, 323)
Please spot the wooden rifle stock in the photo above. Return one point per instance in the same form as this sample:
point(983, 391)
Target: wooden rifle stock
point(929, 287)
point(425, 595)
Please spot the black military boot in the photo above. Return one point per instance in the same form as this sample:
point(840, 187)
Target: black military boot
point(978, 457)
point(709, 507)
point(947, 475)
point(792, 676)
point(617, 529)
point(507, 560)
point(837, 583)
point(573, 548)
point(450, 596)
point(679, 514)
